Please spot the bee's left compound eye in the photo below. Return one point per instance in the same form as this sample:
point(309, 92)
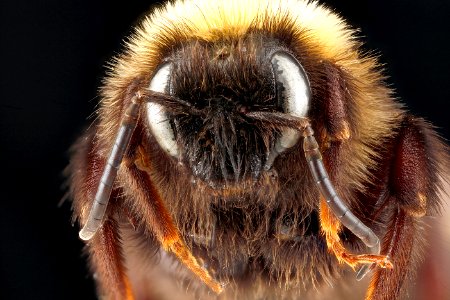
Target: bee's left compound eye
point(292, 84)
point(157, 116)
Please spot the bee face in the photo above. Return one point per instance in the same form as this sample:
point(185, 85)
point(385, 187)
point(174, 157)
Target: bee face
point(222, 82)
point(203, 117)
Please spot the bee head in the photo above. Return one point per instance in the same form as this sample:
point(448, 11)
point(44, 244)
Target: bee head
point(217, 85)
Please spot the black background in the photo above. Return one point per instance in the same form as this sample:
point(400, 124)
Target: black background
point(52, 58)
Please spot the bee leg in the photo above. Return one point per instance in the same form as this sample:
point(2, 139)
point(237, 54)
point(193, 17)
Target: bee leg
point(330, 228)
point(414, 183)
point(105, 254)
point(401, 244)
point(104, 250)
point(147, 200)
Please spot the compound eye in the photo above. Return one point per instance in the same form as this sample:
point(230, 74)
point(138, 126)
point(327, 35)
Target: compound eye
point(293, 89)
point(292, 84)
point(156, 114)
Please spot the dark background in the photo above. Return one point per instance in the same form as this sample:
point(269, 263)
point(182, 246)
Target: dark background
point(52, 58)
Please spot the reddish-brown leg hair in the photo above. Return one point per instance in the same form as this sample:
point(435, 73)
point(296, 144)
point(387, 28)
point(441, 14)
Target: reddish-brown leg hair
point(155, 216)
point(105, 255)
point(331, 227)
point(414, 182)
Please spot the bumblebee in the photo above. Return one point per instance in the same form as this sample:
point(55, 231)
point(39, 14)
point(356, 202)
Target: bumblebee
point(250, 150)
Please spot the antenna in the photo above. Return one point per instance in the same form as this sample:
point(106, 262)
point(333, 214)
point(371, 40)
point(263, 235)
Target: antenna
point(98, 209)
